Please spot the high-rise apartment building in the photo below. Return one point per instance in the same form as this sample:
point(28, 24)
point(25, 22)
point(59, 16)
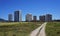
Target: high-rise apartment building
point(10, 17)
point(48, 17)
point(20, 16)
point(16, 16)
point(29, 17)
point(42, 18)
point(34, 18)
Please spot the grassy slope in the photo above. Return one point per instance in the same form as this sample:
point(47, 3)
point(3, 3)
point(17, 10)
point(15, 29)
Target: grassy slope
point(17, 28)
point(53, 29)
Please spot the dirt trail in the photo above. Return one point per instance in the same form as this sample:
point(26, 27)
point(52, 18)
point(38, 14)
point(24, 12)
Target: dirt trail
point(40, 31)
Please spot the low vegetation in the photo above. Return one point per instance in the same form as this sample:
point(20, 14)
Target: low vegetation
point(53, 29)
point(17, 28)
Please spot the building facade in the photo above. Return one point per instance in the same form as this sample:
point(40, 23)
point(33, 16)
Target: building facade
point(29, 17)
point(42, 18)
point(10, 17)
point(20, 16)
point(48, 17)
point(16, 16)
point(34, 18)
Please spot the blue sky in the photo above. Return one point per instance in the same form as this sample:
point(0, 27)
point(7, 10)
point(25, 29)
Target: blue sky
point(35, 7)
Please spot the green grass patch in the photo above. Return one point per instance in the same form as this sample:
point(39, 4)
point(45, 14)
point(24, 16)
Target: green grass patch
point(53, 29)
point(17, 28)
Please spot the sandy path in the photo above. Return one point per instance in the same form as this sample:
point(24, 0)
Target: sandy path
point(40, 31)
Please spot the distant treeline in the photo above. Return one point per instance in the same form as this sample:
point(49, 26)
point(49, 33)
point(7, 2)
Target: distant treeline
point(2, 20)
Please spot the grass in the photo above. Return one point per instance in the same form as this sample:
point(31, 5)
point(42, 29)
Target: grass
point(53, 29)
point(17, 28)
